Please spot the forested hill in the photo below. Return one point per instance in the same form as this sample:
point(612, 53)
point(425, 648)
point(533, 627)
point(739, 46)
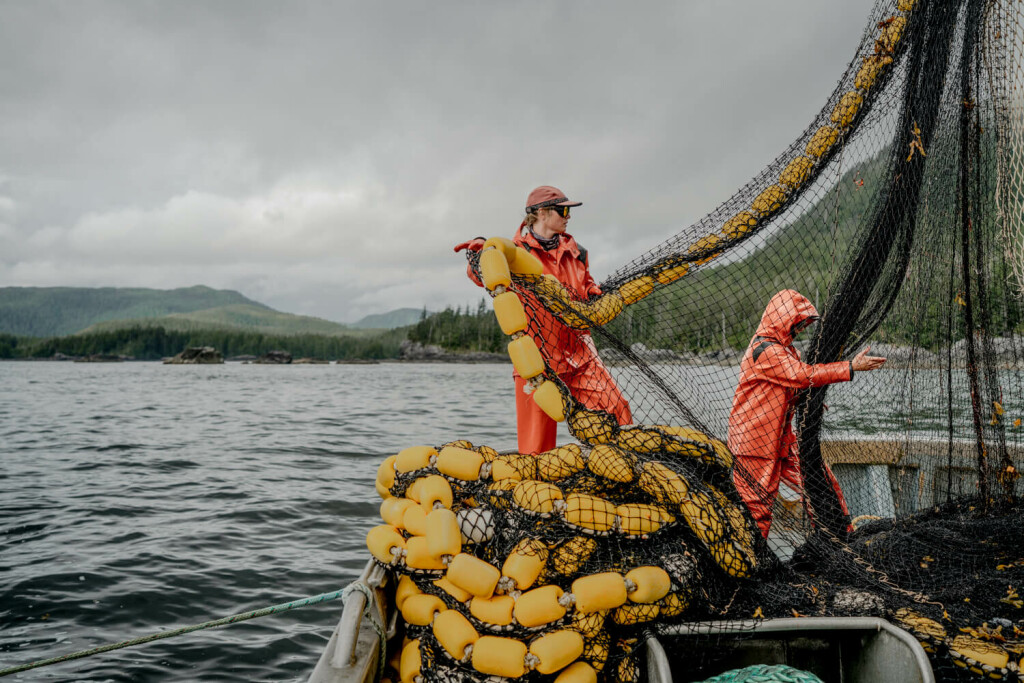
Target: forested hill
point(52, 311)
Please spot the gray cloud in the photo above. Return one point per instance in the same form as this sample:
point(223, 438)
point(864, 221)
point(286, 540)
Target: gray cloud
point(324, 157)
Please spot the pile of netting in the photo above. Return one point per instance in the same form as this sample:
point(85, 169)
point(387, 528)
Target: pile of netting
point(555, 563)
point(899, 213)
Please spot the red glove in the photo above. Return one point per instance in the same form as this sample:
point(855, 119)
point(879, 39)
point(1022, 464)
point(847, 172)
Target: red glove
point(475, 244)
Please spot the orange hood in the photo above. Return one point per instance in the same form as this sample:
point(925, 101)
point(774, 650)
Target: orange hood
point(786, 309)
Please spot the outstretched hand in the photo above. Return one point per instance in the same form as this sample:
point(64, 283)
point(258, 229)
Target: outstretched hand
point(862, 361)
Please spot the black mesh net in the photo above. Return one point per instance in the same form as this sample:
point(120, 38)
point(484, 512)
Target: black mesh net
point(812, 490)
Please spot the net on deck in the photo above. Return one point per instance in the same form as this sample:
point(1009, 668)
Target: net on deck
point(898, 214)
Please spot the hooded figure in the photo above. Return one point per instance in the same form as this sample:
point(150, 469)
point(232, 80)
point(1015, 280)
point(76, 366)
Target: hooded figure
point(760, 425)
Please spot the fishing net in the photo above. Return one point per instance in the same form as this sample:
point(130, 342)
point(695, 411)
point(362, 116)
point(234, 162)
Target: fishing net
point(898, 215)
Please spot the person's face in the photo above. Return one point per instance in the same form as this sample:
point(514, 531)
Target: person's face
point(803, 325)
point(552, 221)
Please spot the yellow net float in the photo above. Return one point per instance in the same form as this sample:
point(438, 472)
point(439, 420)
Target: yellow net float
point(598, 592)
point(526, 358)
point(524, 465)
point(459, 463)
point(639, 519)
point(386, 472)
point(650, 584)
point(769, 201)
point(589, 512)
point(588, 624)
point(414, 458)
point(846, 108)
point(550, 400)
point(524, 564)
point(577, 672)
point(536, 496)
point(454, 633)
point(869, 71)
point(739, 225)
point(595, 650)
point(905, 5)
point(392, 511)
point(627, 615)
point(560, 462)
point(494, 611)
point(892, 33)
point(639, 440)
point(497, 656)
point(796, 172)
point(414, 520)
point(736, 560)
point(458, 594)
point(502, 468)
point(567, 558)
point(822, 141)
point(674, 604)
point(382, 491)
point(406, 587)
point(636, 289)
point(418, 555)
point(605, 308)
point(386, 544)
point(611, 463)
point(444, 537)
point(628, 671)
point(504, 245)
point(987, 659)
point(592, 426)
point(419, 609)
point(433, 490)
point(663, 484)
point(702, 517)
point(708, 243)
point(928, 631)
point(494, 270)
point(409, 669)
point(473, 575)
point(539, 606)
point(525, 263)
point(509, 311)
point(556, 650)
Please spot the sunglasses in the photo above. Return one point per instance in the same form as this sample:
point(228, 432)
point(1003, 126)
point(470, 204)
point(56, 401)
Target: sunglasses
point(562, 211)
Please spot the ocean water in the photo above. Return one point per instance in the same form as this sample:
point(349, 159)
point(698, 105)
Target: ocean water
point(139, 497)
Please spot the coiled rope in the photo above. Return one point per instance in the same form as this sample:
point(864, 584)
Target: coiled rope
point(235, 618)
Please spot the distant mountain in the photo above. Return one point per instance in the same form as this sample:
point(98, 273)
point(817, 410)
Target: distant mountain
point(400, 317)
point(53, 311)
point(248, 317)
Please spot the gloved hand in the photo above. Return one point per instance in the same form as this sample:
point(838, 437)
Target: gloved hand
point(475, 244)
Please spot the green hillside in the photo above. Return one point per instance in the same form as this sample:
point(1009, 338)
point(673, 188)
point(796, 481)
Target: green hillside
point(400, 317)
point(51, 311)
point(249, 317)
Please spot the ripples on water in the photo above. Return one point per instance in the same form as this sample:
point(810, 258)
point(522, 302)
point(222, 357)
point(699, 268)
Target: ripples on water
point(139, 497)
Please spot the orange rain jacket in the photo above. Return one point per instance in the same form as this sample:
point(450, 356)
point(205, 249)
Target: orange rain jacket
point(760, 424)
point(569, 353)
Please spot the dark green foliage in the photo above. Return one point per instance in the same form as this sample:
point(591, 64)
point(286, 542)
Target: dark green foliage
point(461, 330)
point(153, 343)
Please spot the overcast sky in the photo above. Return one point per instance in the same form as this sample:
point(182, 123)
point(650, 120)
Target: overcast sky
point(324, 157)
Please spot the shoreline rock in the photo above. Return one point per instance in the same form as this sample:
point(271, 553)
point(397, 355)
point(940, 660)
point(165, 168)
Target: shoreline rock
point(196, 355)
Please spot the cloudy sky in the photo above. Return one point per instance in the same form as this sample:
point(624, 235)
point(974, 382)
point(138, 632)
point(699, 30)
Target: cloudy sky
point(324, 157)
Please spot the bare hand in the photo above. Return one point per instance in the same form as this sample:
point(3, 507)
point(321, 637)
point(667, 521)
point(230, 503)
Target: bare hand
point(862, 361)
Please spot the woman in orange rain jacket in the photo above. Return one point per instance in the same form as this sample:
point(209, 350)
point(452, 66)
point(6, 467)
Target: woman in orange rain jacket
point(760, 424)
point(569, 353)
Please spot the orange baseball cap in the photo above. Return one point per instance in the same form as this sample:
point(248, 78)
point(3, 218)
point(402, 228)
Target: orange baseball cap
point(545, 196)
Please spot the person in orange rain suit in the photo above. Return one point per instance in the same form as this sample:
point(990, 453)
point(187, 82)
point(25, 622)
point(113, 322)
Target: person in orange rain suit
point(569, 353)
point(760, 425)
